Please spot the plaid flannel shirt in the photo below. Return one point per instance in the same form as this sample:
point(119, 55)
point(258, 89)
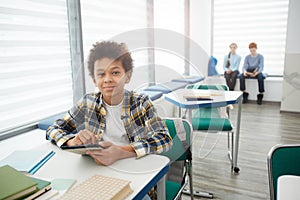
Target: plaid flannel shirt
point(146, 131)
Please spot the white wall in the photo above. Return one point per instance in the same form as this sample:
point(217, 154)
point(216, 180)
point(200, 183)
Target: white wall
point(291, 82)
point(200, 33)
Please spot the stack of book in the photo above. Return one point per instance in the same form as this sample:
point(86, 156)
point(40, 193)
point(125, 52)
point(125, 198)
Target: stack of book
point(16, 185)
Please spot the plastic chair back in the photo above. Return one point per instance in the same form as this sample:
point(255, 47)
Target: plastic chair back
point(208, 87)
point(207, 112)
point(282, 160)
point(181, 145)
point(212, 63)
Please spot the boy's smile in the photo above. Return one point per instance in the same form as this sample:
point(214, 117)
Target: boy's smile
point(110, 78)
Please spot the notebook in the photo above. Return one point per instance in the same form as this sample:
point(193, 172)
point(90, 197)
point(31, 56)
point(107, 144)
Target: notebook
point(42, 187)
point(14, 184)
point(99, 187)
point(27, 160)
point(59, 187)
point(198, 95)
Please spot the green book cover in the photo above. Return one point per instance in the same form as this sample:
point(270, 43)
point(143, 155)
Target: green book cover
point(14, 184)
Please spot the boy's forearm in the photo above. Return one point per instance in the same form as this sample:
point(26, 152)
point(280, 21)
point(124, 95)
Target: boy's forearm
point(52, 134)
point(128, 148)
point(128, 152)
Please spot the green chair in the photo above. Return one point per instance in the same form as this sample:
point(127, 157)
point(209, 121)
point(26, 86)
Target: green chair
point(180, 131)
point(208, 119)
point(282, 160)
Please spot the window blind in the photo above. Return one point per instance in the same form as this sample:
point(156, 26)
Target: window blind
point(169, 15)
point(104, 20)
point(113, 20)
point(246, 21)
point(35, 68)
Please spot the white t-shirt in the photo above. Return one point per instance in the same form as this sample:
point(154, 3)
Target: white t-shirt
point(115, 130)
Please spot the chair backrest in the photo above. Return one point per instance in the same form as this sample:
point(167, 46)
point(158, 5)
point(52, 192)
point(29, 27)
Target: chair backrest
point(180, 131)
point(208, 87)
point(282, 160)
point(212, 63)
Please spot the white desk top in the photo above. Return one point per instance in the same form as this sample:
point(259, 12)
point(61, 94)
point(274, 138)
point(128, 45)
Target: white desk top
point(288, 187)
point(141, 172)
point(219, 98)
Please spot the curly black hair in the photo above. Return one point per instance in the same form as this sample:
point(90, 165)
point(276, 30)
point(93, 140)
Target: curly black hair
point(111, 50)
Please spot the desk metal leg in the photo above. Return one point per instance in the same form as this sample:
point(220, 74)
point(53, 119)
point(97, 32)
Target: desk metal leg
point(161, 188)
point(237, 138)
point(196, 193)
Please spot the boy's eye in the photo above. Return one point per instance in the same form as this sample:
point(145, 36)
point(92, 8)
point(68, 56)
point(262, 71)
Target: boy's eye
point(115, 72)
point(100, 74)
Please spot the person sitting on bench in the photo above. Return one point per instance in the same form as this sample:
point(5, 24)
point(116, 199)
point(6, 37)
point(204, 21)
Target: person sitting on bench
point(231, 66)
point(253, 67)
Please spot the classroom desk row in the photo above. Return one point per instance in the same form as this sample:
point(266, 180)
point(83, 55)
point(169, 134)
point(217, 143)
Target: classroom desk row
point(143, 173)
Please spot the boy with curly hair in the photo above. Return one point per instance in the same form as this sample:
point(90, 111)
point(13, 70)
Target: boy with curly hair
point(123, 122)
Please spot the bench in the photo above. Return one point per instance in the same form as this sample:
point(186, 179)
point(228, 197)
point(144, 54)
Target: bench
point(166, 87)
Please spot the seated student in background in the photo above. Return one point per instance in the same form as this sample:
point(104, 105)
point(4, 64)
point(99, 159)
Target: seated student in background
point(125, 122)
point(253, 67)
point(231, 66)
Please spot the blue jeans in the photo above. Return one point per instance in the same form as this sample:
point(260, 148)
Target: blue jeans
point(260, 79)
point(231, 79)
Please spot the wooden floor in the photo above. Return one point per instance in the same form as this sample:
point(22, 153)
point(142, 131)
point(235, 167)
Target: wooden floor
point(261, 128)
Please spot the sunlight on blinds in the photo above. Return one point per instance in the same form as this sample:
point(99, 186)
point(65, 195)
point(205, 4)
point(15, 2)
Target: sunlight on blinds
point(117, 20)
point(104, 20)
point(169, 15)
point(246, 21)
point(35, 68)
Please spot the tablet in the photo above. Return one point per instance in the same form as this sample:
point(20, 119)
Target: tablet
point(81, 149)
point(198, 99)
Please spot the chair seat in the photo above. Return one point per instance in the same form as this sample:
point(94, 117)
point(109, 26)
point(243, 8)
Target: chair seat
point(172, 189)
point(213, 124)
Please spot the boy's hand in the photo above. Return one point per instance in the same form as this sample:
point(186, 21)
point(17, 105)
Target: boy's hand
point(110, 153)
point(245, 74)
point(253, 74)
point(83, 137)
